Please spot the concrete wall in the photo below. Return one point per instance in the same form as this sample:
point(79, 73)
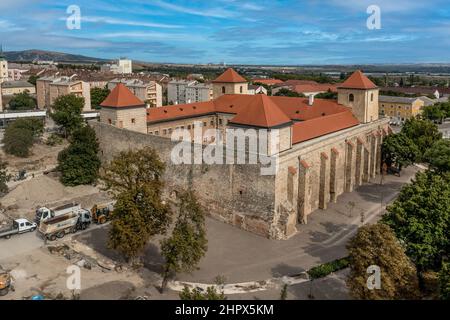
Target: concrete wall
point(235, 194)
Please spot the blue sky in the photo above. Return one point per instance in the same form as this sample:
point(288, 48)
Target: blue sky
point(234, 31)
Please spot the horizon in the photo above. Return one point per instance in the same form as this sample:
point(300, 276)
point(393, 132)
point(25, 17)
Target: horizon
point(307, 33)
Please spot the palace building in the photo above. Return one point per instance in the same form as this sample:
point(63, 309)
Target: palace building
point(325, 148)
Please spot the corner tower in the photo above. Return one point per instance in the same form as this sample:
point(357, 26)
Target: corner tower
point(3, 66)
point(229, 82)
point(360, 94)
point(124, 110)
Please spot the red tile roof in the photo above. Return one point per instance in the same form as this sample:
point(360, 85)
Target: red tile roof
point(121, 97)
point(302, 88)
point(230, 76)
point(358, 81)
point(307, 130)
point(323, 117)
point(261, 112)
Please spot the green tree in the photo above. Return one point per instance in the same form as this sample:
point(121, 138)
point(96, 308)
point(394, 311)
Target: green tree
point(188, 243)
point(423, 133)
point(444, 281)
point(36, 126)
point(79, 162)
point(438, 156)
point(289, 93)
point(398, 149)
point(434, 113)
point(18, 141)
point(22, 101)
point(196, 294)
point(134, 178)
point(420, 217)
point(98, 95)
point(67, 112)
point(327, 95)
point(376, 245)
point(32, 79)
point(4, 177)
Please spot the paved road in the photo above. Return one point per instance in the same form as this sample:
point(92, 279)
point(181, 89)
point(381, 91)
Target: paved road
point(241, 256)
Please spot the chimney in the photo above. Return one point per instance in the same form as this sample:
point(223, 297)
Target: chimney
point(311, 100)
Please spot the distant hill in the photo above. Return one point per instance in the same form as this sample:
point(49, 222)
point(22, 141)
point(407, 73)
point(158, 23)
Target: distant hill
point(30, 55)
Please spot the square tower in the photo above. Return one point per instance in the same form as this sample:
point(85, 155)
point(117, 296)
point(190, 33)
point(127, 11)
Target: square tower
point(360, 94)
point(229, 82)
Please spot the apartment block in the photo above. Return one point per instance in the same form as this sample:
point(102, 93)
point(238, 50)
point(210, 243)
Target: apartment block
point(148, 91)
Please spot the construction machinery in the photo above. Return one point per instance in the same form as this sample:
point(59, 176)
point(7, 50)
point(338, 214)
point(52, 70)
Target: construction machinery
point(102, 212)
point(5, 283)
point(45, 213)
point(59, 226)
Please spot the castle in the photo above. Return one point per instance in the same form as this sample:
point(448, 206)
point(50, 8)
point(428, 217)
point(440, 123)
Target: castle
point(325, 148)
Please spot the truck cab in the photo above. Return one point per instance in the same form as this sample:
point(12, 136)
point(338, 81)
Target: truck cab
point(23, 225)
point(43, 214)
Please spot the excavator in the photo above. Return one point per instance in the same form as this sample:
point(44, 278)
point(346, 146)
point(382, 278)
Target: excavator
point(102, 212)
point(5, 283)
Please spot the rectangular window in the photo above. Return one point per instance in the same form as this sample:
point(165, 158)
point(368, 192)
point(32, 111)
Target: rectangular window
point(220, 121)
point(133, 121)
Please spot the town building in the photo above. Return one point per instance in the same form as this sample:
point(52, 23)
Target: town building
point(229, 82)
point(3, 67)
point(16, 87)
point(324, 149)
point(269, 82)
point(122, 66)
point(124, 110)
point(256, 89)
point(400, 108)
point(198, 92)
point(176, 91)
point(50, 88)
point(149, 92)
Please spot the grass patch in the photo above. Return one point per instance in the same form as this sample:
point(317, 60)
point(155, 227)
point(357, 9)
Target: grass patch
point(328, 268)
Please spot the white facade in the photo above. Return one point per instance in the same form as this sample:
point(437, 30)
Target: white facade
point(176, 91)
point(3, 70)
point(123, 66)
point(198, 93)
point(150, 92)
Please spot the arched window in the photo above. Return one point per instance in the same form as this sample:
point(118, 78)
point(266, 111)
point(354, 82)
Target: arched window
point(351, 97)
point(223, 89)
point(241, 89)
point(371, 97)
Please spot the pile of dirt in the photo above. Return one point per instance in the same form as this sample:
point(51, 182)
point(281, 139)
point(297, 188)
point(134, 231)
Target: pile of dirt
point(45, 190)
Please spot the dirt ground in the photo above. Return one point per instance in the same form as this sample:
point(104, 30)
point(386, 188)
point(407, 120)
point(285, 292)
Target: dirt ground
point(40, 187)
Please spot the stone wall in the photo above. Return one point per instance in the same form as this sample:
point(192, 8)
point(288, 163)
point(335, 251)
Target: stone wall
point(235, 194)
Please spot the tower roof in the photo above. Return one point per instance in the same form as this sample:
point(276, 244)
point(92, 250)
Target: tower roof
point(358, 81)
point(121, 97)
point(261, 112)
point(230, 76)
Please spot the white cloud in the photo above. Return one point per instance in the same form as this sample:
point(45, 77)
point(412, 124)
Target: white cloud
point(215, 13)
point(115, 21)
point(6, 26)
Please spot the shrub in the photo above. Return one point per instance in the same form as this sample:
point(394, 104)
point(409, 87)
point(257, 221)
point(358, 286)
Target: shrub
point(18, 141)
point(328, 268)
point(53, 140)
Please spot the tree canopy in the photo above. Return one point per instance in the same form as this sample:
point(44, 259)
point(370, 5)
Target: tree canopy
point(98, 95)
point(22, 101)
point(376, 245)
point(67, 112)
point(289, 93)
point(422, 132)
point(420, 217)
point(196, 294)
point(438, 156)
point(79, 162)
point(19, 136)
point(4, 177)
point(134, 178)
point(400, 150)
point(188, 243)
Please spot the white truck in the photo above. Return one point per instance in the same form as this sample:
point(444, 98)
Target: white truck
point(18, 226)
point(59, 226)
point(45, 213)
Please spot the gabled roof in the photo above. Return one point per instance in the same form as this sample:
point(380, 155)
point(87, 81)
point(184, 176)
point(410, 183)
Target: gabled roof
point(358, 81)
point(121, 97)
point(230, 76)
point(261, 112)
